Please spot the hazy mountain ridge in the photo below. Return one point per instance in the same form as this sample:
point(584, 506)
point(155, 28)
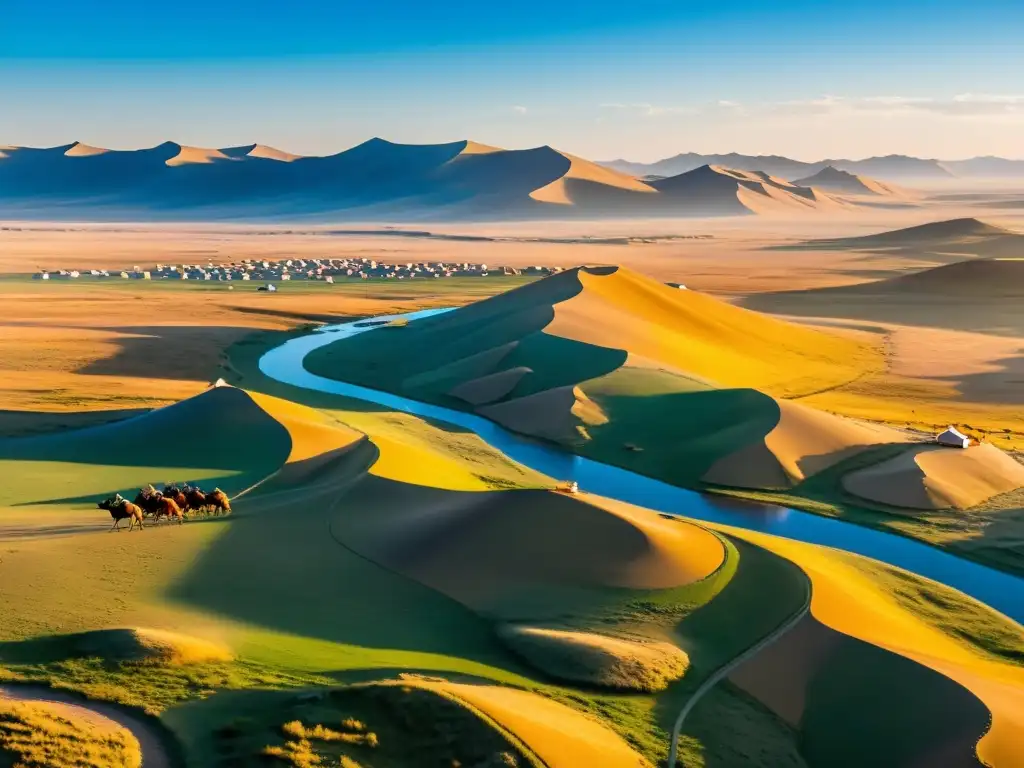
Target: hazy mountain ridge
point(375, 180)
point(888, 168)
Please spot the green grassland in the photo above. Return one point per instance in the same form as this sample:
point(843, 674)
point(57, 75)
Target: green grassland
point(305, 613)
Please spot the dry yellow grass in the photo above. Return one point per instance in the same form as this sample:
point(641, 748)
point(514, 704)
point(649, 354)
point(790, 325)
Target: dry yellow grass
point(150, 646)
point(558, 735)
point(51, 735)
point(595, 659)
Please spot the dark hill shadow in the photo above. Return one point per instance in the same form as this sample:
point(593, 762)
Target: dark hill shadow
point(278, 566)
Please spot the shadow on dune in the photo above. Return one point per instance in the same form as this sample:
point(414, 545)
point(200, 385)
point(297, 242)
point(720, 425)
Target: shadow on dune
point(277, 566)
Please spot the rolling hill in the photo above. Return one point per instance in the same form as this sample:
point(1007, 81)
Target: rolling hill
point(964, 237)
point(669, 382)
point(376, 180)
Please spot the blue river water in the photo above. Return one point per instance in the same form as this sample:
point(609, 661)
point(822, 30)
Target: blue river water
point(1002, 591)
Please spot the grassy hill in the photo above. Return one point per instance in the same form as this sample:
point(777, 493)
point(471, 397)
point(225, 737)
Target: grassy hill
point(354, 586)
point(678, 386)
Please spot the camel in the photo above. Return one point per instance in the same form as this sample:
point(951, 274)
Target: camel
point(167, 507)
point(219, 501)
point(121, 509)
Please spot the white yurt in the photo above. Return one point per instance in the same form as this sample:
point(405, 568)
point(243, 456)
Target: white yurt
point(954, 438)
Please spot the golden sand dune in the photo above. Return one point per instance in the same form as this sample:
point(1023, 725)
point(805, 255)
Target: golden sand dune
point(694, 333)
point(78, 149)
point(487, 389)
point(934, 477)
point(261, 151)
point(560, 415)
point(804, 442)
point(847, 599)
point(631, 664)
point(312, 433)
point(558, 735)
point(197, 156)
point(561, 191)
point(487, 549)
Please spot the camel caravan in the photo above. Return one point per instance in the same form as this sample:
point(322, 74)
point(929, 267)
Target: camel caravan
point(172, 503)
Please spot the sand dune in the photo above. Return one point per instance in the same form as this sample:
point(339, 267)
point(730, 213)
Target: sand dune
point(978, 278)
point(78, 149)
point(525, 550)
point(665, 381)
point(561, 415)
point(260, 151)
point(375, 180)
point(694, 333)
point(197, 155)
point(804, 442)
point(848, 600)
point(832, 179)
point(948, 233)
point(715, 190)
point(491, 387)
point(561, 191)
point(234, 437)
point(933, 477)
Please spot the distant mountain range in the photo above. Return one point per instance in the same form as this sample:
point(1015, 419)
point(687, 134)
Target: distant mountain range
point(899, 168)
point(382, 181)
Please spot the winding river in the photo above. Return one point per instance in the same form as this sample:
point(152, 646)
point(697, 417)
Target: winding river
point(1002, 591)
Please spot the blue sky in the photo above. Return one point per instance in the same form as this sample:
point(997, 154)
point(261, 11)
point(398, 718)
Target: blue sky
point(641, 79)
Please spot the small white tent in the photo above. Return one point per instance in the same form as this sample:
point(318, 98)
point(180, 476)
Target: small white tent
point(953, 438)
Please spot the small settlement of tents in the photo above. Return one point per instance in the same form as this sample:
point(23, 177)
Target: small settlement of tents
point(954, 438)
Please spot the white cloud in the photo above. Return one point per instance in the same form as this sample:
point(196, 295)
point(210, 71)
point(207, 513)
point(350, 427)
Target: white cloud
point(960, 105)
point(519, 109)
point(652, 110)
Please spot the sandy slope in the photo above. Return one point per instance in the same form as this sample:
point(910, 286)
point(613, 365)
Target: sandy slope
point(804, 442)
point(197, 155)
point(311, 432)
point(560, 736)
point(494, 551)
point(700, 335)
point(557, 414)
point(834, 180)
point(844, 598)
point(561, 192)
point(487, 389)
point(934, 477)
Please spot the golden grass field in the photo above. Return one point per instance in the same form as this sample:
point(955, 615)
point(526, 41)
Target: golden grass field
point(384, 569)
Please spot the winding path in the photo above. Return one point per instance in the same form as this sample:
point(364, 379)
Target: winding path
point(151, 741)
point(726, 669)
point(1002, 591)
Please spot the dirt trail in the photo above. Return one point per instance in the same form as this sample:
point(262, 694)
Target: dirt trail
point(151, 742)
